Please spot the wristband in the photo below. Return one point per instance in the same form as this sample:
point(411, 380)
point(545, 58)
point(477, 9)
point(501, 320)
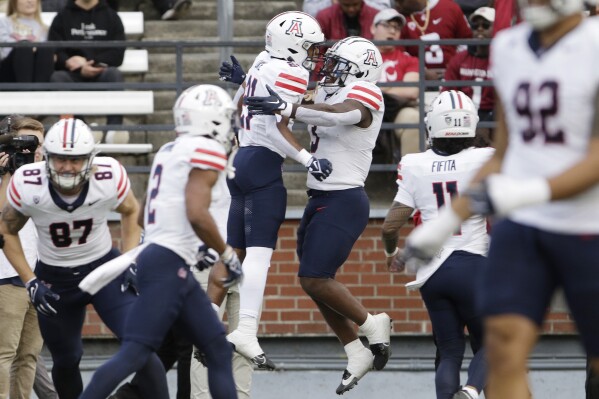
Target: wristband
point(392, 254)
point(287, 110)
point(304, 157)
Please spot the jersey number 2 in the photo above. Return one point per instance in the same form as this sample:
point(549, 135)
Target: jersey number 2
point(151, 212)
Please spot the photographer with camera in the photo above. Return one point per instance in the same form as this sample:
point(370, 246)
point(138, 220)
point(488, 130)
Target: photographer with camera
point(21, 139)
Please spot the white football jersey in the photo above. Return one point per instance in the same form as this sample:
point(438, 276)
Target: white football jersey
point(426, 181)
point(549, 108)
point(165, 216)
point(349, 148)
point(288, 79)
point(70, 234)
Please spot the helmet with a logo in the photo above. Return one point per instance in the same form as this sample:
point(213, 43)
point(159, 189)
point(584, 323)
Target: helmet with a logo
point(452, 115)
point(206, 110)
point(69, 139)
point(542, 16)
point(349, 60)
point(290, 35)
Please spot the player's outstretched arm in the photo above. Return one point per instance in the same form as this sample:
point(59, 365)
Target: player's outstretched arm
point(397, 216)
point(319, 168)
point(198, 194)
point(131, 231)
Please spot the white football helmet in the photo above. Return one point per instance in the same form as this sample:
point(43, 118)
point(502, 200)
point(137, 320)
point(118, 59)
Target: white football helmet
point(351, 59)
point(69, 139)
point(452, 115)
point(543, 16)
point(290, 34)
point(206, 110)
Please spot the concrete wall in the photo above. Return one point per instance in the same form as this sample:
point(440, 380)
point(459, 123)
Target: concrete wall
point(289, 311)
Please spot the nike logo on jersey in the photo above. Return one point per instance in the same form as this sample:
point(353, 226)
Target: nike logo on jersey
point(93, 202)
point(437, 21)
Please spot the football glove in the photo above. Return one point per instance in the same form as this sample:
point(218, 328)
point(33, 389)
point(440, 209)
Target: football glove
point(233, 265)
point(206, 257)
point(500, 194)
point(319, 168)
point(427, 239)
point(39, 294)
point(200, 357)
point(267, 105)
point(231, 71)
point(129, 280)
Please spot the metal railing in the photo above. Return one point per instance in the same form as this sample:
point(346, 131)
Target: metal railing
point(225, 47)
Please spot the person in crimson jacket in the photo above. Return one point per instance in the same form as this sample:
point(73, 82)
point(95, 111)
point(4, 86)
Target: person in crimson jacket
point(88, 20)
point(347, 18)
point(473, 64)
point(433, 20)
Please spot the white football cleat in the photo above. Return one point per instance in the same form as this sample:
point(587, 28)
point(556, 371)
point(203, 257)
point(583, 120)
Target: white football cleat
point(357, 367)
point(380, 341)
point(247, 346)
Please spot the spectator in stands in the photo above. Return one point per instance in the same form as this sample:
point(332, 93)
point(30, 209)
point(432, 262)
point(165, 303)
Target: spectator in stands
point(312, 7)
point(20, 340)
point(90, 20)
point(401, 103)
point(469, 6)
point(434, 20)
point(172, 9)
point(473, 64)
point(23, 22)
point(346, 18)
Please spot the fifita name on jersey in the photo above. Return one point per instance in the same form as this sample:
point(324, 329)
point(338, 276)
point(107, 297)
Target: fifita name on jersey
point(443, 166)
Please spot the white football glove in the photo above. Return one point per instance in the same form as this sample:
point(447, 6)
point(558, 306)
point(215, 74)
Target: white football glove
point(427, 239)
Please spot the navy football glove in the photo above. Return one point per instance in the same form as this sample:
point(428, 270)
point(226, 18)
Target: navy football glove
point(206, 257)
point(129, 280)
point(231, 261)
point(320, 168)
point(232, 71)
point(39, 294)
point(266, 105)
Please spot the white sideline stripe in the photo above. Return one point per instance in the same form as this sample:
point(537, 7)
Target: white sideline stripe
point(133, 21)
point(77, 102)
point(125, 148)
point(135, 61)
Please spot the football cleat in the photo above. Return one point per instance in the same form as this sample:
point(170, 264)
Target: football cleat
point(357, 367)
point(247, 346)
point(380, 341)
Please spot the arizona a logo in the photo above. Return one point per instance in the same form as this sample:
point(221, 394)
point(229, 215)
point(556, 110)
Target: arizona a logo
point(370, 58)
point(211, 98)
point(295, 28)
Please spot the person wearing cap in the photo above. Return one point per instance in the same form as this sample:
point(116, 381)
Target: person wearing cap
point(346, 18)
point(473, 64)
point(401, 103)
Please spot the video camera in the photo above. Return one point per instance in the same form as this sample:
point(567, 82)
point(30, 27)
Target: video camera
point(20, 149)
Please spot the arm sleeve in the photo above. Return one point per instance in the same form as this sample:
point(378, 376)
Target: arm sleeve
point(123, 183)
point(327, 119)
point(281, 142)
point(404, 194)
point(14, 194)
point(208, 155)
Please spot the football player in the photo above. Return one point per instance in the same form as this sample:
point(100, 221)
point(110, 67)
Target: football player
point(344, 122)
point(177, 221)
point(427, 181)
point(68, 196)
point(543, 178)
point(258, 196)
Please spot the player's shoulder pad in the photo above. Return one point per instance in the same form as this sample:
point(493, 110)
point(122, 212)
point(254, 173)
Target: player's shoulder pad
point(25, 183)
point(287, 78)
point(367, 93)
point(207, 154)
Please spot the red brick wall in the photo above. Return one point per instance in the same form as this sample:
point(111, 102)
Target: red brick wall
point(288, 310)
